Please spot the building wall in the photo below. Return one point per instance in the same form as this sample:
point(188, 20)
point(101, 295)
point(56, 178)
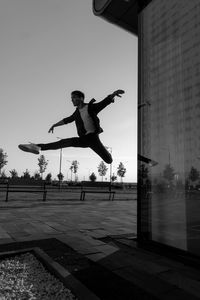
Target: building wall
point(169, 127)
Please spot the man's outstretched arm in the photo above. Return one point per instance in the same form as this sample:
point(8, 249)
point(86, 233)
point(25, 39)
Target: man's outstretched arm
point(109, 99)
point(62, 122)
point(117, 93)
point(56, 125)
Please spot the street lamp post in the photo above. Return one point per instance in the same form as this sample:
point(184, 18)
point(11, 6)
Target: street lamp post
point(60, 169)
point(60, 166)
point(70, 168)
point(110, 149)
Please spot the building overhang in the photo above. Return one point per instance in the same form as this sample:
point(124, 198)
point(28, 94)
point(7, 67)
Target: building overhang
point(123, 13)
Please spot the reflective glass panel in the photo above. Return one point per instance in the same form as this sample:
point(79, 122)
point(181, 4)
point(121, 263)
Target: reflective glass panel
point(169, 123)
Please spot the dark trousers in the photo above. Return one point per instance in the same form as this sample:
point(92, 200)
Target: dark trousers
point(144, 159)
point(147, 160)
point(90, 140)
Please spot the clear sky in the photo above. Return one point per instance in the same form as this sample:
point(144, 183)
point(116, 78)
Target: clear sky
point(48, 49)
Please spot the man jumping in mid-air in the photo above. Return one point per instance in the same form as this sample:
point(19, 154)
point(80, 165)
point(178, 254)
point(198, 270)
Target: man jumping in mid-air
point(87, 124)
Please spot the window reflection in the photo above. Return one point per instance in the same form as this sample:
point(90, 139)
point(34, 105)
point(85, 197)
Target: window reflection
point(169, 126)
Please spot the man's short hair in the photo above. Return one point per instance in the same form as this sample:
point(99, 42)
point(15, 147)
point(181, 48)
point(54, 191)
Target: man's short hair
point(78, 93)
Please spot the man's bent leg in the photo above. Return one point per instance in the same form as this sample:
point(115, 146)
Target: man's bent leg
point(97, 146)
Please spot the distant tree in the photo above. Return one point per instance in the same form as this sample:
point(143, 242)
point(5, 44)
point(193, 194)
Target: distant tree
point(121, 170)
point(3, 159)
point(102, 169)
point(74, 168)
point(37, 176)
point(26, 174)
point(143, 174)
point(13, 173)
point(169, 173)
point(71, 169)
point(48, 177)
point(42, 163)
point(113, 177)
point(92, 177)
point(3, 174)
point(194, 174)
point(60, 177)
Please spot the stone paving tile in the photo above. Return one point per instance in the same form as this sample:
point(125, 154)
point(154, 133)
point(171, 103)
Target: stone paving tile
point(190, 285)
point(19, 235)
point(30, 231)
point(107, 249)
point(80, 244)
point(88, 250)
point(114, 264)
point(74, 241)
point(91, 241)
point(41, 227)
point(10, 227)
point(96, 233)
point(150, 284)
point(37, 236)
point(190, 272)
point(169, 264)
point(4, 234)
point(177, 294)
point(96, 256)
point(6, 240)
point(151, 267)
point(57, 226)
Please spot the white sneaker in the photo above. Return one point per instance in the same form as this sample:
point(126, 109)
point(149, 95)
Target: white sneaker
point(33, 148)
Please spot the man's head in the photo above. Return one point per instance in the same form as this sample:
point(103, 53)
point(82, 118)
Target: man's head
point(77, 98)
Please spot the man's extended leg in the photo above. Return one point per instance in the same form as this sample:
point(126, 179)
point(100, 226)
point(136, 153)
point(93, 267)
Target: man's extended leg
point(147, 160)
point(64, 143)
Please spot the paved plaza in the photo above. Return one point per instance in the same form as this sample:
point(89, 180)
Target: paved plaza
point(83, 220)
point(91, 228)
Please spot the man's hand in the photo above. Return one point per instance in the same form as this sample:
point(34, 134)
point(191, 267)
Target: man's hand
point(117, 93)
point(51, 129)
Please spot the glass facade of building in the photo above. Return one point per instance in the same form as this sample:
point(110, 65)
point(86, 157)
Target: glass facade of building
point(169, 123)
